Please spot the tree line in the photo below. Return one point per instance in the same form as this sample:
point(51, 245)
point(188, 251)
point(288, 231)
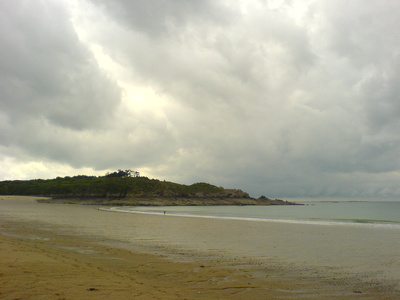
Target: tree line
point(118, 184)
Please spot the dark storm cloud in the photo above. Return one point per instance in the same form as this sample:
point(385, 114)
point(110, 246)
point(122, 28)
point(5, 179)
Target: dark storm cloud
point(55, 101)
point(202, 59)
point(46, 72)
point(367, 36)
point(158, 17)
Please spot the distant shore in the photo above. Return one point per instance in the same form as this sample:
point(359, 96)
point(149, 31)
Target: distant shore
point(128, 188)
point(168, 201)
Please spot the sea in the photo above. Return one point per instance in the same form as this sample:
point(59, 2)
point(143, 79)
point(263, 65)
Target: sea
point(318, 212)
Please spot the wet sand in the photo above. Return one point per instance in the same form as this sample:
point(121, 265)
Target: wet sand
point(43, 265)
point(48, 260)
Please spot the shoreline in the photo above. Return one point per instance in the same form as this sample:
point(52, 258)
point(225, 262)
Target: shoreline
point(47, 258)
point(167, 201)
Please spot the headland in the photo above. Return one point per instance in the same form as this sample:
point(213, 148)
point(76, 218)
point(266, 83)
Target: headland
point(122, 188)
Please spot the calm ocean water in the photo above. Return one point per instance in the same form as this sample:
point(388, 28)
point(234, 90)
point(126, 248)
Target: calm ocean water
point(372, 213)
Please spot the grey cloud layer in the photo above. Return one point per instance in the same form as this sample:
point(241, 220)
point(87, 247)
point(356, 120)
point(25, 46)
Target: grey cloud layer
point(256, 98)
point(56, 103)
point(46, 72)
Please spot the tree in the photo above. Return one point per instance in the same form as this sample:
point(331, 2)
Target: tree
point(123, 173)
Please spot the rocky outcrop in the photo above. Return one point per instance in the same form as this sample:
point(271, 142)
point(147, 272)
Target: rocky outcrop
point(170, 201)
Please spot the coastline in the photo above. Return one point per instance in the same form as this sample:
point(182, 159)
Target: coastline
point(168, 201)
point(47, 258)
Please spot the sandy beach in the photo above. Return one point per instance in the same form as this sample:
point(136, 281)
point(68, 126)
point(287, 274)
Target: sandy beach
point(45, 259)
point(43, 265)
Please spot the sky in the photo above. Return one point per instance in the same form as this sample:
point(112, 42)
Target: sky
point(295, 98)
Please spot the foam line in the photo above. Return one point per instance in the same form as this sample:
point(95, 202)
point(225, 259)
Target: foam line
point(287, 221)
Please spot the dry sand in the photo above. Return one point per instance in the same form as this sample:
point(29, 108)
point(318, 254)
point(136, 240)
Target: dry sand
point(49, 264)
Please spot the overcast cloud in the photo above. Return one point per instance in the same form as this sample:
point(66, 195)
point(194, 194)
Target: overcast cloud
point(281, 98)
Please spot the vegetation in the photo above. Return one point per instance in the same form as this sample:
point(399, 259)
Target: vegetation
point(116, 185)
point(127, 187)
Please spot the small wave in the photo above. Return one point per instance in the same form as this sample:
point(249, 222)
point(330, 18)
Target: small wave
point(322, 222)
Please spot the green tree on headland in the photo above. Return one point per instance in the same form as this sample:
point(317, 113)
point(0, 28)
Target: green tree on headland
point(115, 185)
point(123, 173)
point(126, 187)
